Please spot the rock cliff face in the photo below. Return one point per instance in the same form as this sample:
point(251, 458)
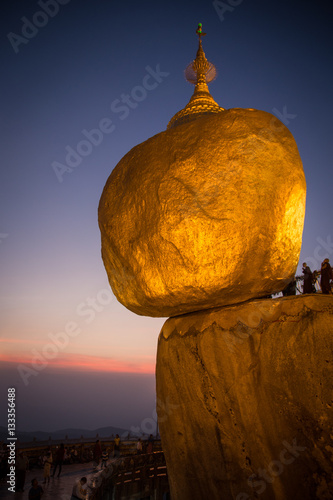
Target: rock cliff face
point(205, 214)
point(244, 399)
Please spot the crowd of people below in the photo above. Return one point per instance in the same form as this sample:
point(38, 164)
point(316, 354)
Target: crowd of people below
point(52, 461)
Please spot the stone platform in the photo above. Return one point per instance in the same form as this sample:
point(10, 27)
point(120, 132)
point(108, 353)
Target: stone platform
point(245, 401)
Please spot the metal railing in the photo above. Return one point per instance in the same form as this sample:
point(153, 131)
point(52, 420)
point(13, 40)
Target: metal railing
point(77, 450)
point(134, 476)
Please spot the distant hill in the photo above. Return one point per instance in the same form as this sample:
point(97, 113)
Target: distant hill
point(25, 437)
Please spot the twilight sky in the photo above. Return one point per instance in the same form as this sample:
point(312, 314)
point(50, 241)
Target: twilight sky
point(59, 321)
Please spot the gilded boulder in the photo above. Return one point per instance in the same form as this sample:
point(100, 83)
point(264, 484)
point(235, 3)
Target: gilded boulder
point(205, 214)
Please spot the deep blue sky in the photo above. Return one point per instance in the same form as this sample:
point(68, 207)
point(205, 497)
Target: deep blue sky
point(274, 55)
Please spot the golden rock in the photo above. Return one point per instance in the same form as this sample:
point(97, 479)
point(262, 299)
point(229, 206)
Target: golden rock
point(207, 213)
point(244, 400)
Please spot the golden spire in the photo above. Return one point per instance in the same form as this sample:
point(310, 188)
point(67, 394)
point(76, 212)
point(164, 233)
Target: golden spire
point(199, 72)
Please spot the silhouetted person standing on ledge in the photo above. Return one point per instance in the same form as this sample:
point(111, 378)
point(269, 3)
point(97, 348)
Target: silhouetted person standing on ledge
point(59, 459)
point(326, 276)
point(307, 286)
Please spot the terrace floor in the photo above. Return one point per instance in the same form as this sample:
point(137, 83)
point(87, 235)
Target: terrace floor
point(57, 489)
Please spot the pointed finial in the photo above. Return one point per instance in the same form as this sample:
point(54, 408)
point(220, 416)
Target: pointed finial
point(199, 31)
point(200, 72)
point(200, 69)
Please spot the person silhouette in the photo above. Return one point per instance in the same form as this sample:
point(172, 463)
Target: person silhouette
point(36, 491)
point(308, 277)
point(79, 489)
point(326, 276)
point(60, 454)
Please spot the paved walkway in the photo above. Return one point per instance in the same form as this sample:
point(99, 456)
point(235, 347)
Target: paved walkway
point(57, 489)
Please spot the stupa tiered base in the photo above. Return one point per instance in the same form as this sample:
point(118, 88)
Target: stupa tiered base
point(244, 397)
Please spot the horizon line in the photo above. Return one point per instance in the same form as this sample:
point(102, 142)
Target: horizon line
point(79, 362)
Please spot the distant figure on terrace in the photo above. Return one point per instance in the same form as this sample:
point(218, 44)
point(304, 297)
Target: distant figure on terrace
point(60, 454)
point(116, 448)
point(150, 445)
point(36, 491)
point(105, 457)
point(326, 276)
point(139, 447)
point(308, 278)
point(97, 454)
point(47, 466)
point(80, 489)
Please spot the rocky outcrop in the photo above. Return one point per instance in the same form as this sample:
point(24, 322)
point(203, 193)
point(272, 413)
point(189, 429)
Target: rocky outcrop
point(244, 400)
point(205, 214)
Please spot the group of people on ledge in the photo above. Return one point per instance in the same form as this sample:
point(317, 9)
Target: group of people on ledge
point(310, 278)
point(326, 276)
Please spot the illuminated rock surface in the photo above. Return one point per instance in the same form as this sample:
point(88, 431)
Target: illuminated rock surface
point(246, 391)
point(207, 213)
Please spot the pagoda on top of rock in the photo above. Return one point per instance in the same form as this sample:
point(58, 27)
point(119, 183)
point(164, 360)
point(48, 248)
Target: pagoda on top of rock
point(200, 72)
